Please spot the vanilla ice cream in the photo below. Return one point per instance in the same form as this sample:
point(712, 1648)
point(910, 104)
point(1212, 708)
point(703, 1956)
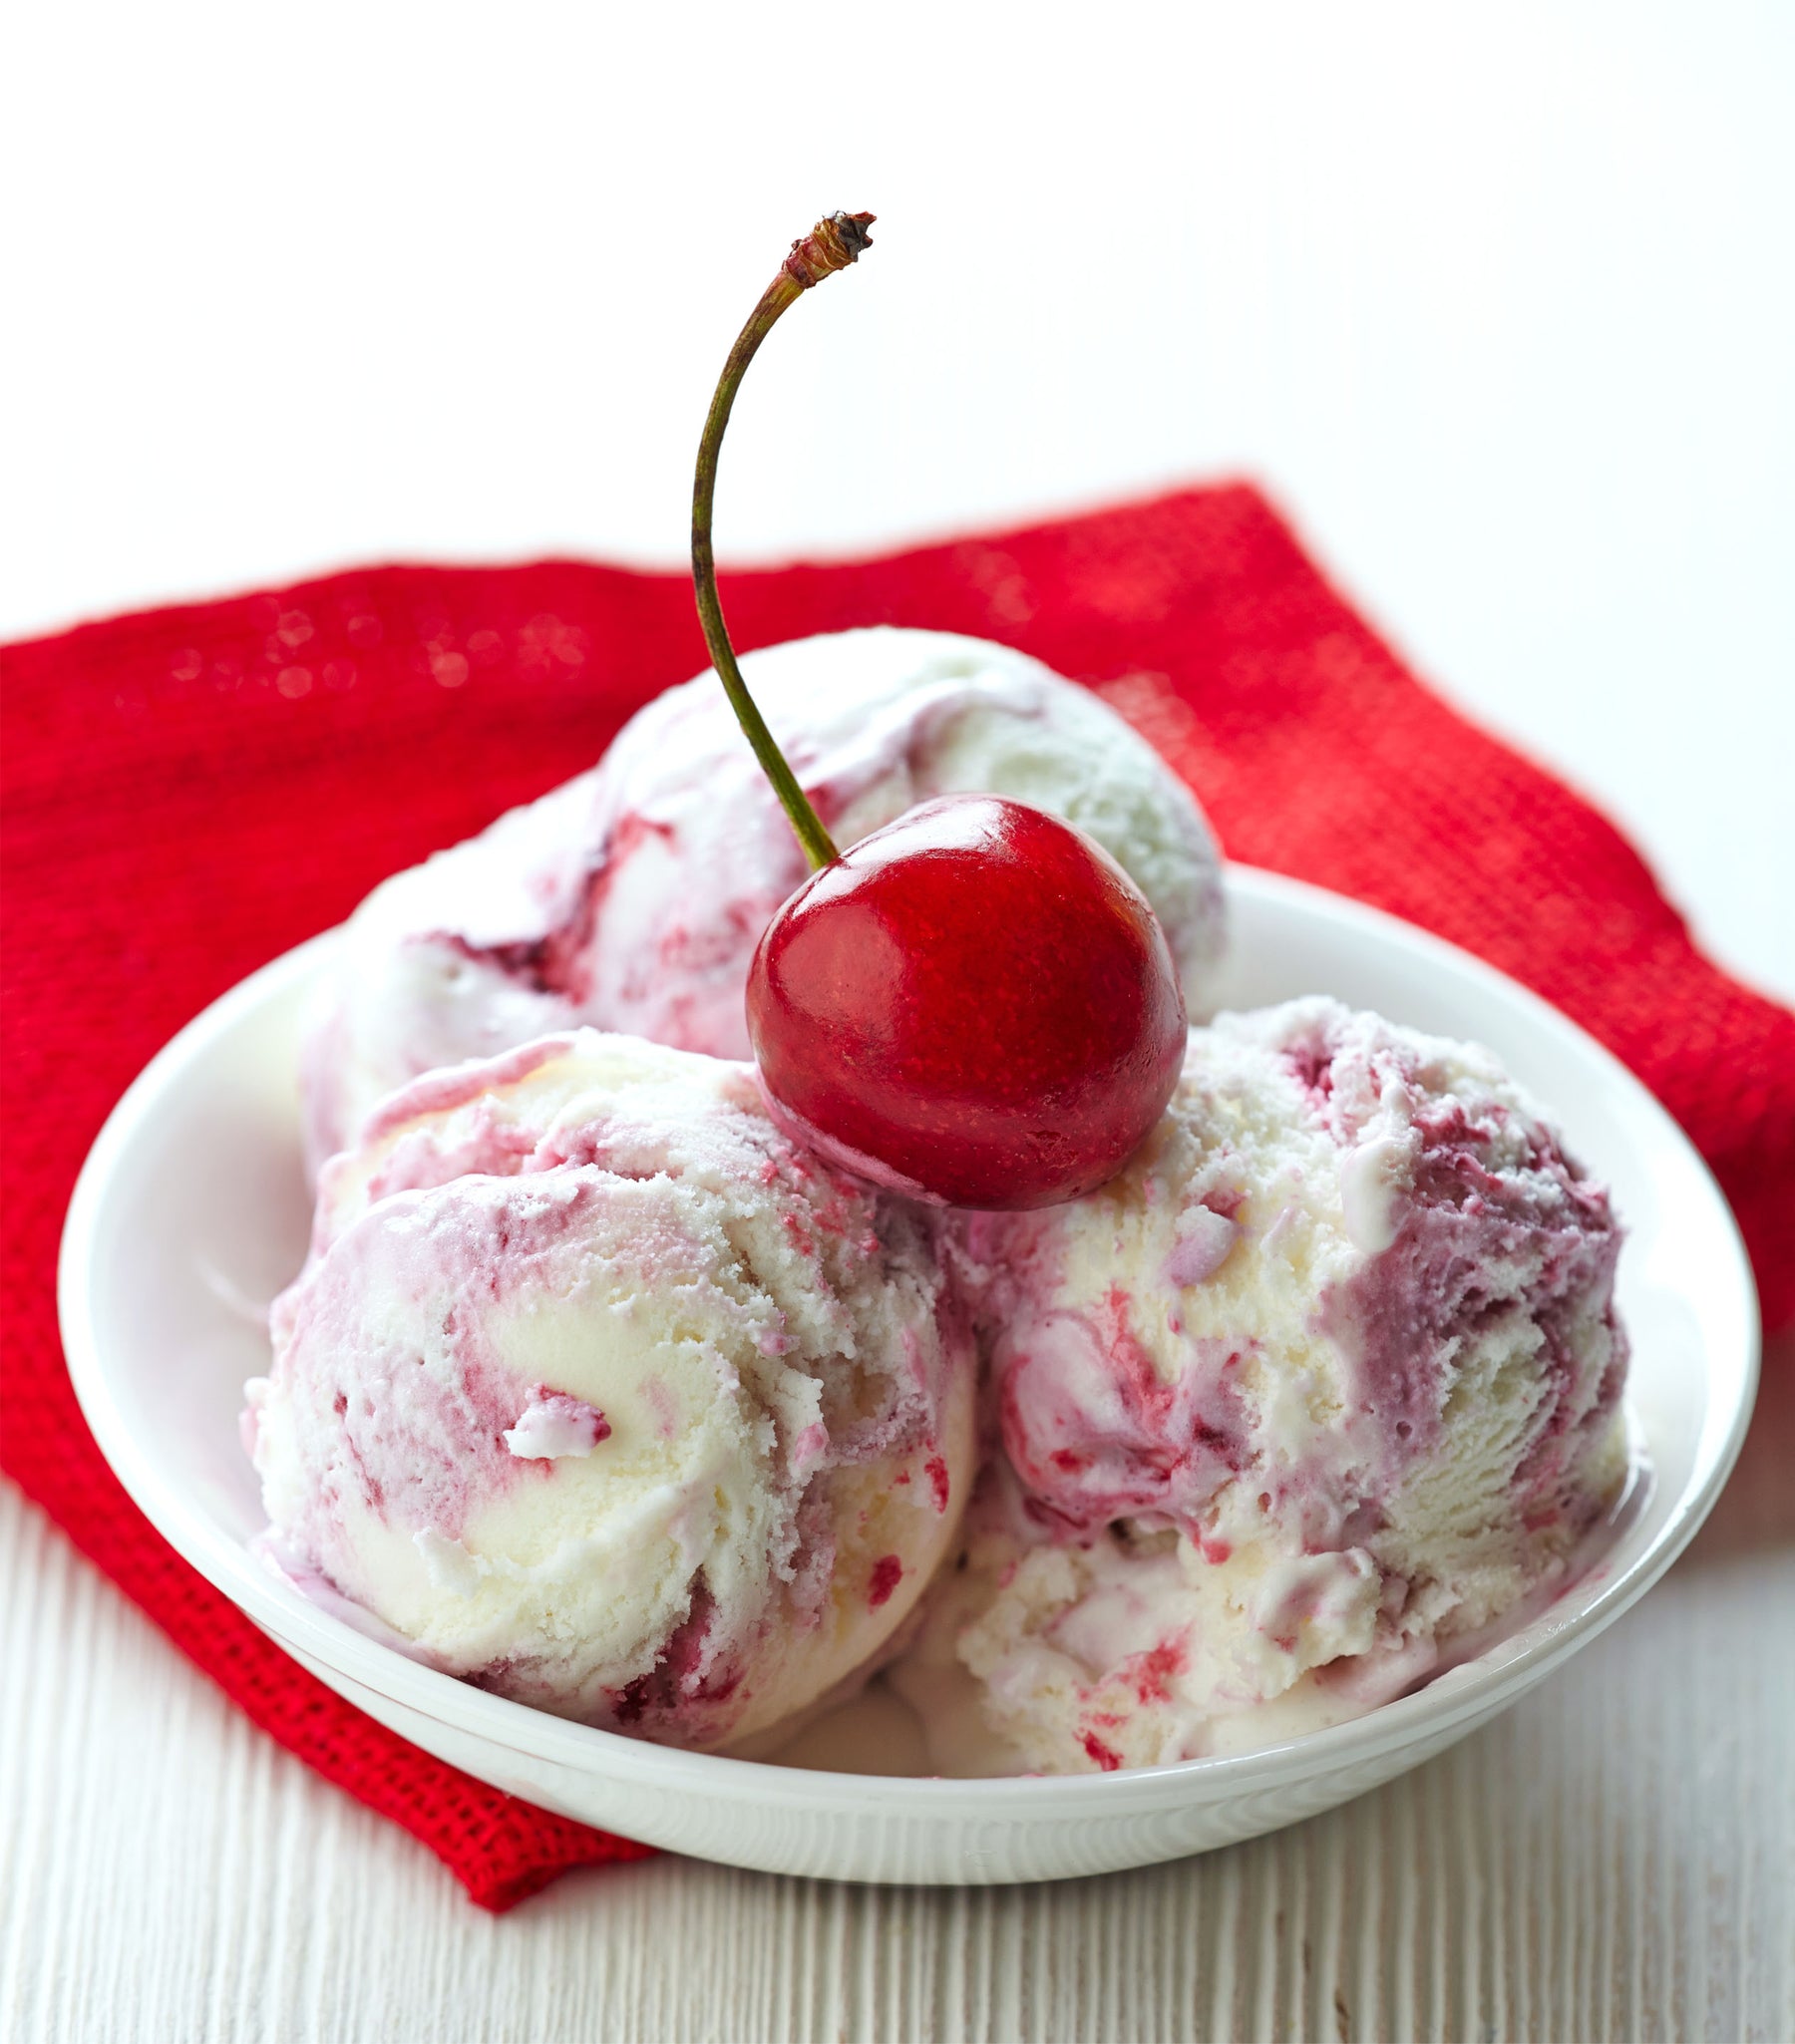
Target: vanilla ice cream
point(1327, 1380)
point(633, 898)
point(599, 1393)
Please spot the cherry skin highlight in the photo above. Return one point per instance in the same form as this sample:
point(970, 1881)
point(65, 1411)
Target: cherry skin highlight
point(974, 1005)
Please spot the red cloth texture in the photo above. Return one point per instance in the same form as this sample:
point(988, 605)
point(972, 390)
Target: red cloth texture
point(189, 792)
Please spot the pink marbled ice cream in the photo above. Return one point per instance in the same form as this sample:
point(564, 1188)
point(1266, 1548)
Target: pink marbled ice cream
point(632, 897)
point(601, 1394)
point(1327, 1380)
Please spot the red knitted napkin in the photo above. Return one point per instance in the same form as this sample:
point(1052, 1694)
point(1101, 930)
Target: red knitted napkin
point(189, 792)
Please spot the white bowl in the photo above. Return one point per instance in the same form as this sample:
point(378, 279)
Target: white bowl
point(191, 1213)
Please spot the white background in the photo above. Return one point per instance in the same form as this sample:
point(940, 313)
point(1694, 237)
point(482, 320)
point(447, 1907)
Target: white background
point(1498, 302)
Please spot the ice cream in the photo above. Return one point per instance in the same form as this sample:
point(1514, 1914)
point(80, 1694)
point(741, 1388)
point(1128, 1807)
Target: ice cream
point(597, 1392)
point(1329, 1378)
point(632, 897)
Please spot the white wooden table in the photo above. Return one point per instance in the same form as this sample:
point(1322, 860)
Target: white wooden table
point(1500, 307)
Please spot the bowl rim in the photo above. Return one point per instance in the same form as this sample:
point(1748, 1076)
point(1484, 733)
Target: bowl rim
point(1467, 1692)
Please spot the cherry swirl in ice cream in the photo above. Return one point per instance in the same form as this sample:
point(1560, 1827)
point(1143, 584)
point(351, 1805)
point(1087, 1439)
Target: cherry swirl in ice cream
point(599, 1392)
point(633, 898)
point(1328, 1378)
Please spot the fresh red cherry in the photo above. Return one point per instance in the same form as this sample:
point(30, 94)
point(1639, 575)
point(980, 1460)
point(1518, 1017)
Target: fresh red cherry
point(975, 1004)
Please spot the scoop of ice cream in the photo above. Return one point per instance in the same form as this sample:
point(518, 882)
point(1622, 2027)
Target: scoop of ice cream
point(447, 961)
point(633, 898)
point(1329, 1378)
point(601, 1393)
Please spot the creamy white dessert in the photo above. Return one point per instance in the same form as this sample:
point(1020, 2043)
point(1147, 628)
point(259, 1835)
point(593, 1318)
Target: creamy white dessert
point(599, 1393)
point(632, 898)
point(1327, 1379)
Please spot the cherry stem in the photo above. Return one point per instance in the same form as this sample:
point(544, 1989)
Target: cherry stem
point(831, 246)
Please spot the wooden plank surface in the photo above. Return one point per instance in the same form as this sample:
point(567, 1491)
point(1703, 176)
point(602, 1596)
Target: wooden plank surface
point(1614, 1859)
